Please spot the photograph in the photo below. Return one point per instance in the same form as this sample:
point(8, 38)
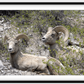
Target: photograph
point(41, 42)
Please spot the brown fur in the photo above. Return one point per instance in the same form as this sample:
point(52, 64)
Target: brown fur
point(52, 36)
point(56, 50)
point(31, 62)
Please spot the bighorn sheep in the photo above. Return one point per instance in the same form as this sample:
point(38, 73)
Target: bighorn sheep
point(52, 36)
point(30, 62)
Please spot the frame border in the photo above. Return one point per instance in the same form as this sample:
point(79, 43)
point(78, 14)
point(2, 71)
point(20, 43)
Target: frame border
point(41, 3)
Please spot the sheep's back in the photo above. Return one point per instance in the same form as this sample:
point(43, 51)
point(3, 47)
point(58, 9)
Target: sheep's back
point(32, 62)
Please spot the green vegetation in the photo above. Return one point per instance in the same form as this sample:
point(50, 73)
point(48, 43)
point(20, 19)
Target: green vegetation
point(39, 21)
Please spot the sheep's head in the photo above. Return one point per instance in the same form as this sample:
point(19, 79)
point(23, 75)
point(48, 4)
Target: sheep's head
point(13, 43)
point(54, 34)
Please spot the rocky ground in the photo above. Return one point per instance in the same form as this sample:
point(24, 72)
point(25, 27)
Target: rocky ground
point(34, 46)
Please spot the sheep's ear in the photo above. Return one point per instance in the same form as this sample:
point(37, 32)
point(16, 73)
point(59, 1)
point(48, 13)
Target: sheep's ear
point(50, 28)
point(5, 38)
point(19, 41)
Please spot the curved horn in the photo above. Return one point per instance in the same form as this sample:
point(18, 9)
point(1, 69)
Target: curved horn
point(19, 36)
point(62, 29)
point(50, 28)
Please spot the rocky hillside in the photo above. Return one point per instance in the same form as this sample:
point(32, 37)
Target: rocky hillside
point(35, 24)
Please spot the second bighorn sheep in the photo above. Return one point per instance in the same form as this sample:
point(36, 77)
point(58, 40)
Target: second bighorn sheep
point(53, 35)
point(30, 62)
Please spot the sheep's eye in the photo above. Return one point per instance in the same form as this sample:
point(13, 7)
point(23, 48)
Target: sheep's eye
point(7, 42)
point(16, 42)
point(53, 35)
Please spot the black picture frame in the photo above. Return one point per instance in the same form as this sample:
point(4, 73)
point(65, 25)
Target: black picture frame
point(41, 3)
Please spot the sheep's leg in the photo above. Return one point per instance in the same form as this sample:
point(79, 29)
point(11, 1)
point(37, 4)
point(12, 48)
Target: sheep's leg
point(43, 72)
point(46, 71)
point(55, 67)
point(51, 68)
point(52, 71)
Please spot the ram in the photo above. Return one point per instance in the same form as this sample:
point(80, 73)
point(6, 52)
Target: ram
point(31, 62)
point(57, 45)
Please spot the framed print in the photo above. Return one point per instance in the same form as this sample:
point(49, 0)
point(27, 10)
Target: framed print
point(42, 43)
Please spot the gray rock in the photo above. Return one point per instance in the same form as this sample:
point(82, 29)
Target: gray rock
point(30, 35)
point(8, 74)
point(1, 64)
point(1, 29)
point(1, 68)
point(0, 36)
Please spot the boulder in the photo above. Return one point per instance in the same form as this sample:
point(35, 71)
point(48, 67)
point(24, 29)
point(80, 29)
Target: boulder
point(1, 64)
